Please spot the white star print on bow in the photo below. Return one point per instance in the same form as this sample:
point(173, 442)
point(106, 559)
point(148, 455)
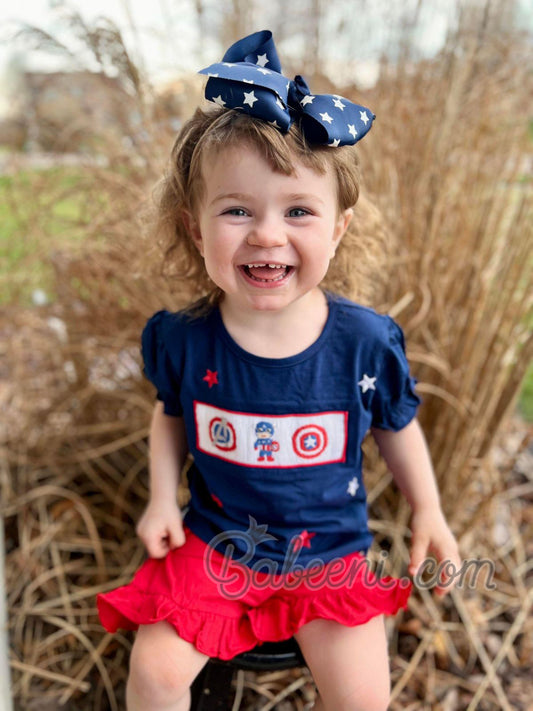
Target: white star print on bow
point(249, 98)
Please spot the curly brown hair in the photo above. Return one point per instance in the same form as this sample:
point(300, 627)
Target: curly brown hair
point(352, 272)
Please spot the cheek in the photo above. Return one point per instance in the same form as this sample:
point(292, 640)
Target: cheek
point(217, 254)
point(219, 265)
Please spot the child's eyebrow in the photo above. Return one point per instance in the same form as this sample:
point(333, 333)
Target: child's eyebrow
point(304, 197)
point(231, 196)
point(293, 197)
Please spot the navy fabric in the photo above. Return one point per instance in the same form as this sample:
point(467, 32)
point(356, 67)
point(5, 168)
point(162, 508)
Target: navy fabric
point(249, 79)
point(277, 442)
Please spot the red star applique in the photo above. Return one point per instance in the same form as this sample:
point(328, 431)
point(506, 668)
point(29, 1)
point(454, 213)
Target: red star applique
point(211, 377)
point(217, 501)
point(305, 538)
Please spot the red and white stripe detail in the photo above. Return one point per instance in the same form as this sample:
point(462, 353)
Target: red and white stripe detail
point(306, 440)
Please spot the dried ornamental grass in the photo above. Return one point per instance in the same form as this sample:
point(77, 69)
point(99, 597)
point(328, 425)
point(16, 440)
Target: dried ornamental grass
point(74, 461)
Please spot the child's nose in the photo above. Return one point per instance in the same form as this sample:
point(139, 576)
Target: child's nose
point(267, 232)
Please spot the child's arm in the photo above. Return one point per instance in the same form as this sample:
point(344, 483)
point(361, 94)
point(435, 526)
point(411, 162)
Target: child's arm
point(160, 527)
point(408, 459)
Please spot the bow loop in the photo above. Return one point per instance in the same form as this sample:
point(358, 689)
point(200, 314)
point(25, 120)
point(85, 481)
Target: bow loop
point(249, 79)
point(258, 49)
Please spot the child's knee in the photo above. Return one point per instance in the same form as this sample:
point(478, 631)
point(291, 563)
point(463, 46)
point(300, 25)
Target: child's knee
point(154, 678)
point(157, 674)
point(371, 699)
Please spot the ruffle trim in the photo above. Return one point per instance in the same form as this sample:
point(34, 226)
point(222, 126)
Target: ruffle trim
point(275, 620)
point(279, 618)
point(211, 633)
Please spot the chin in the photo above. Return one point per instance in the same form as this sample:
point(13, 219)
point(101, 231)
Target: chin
point(269, 302)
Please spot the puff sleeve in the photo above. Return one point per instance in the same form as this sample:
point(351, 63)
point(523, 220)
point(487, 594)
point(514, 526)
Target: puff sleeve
point(395, 401)
point(160, 362)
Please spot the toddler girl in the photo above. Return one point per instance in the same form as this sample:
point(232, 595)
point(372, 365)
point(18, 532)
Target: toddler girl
point(271, 382)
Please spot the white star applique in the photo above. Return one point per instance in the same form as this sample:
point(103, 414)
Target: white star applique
point(212, 75)
point(280, 103)
point(335, 143)
point(308, 99)
point(353, 485)
point(262, 60)
point(248, 81)
point(326, 117)
point(219, 100)
point(364, 117)
point(275, 124)
point(249, 98)
point(351, 129)
point(227, 64)
point(263, 71)
point(338, 103)
point(367, 383)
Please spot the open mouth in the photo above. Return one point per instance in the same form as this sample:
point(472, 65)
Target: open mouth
point(267, 272)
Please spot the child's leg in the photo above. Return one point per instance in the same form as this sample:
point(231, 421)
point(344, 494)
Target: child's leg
point(162, 669)
point(350, 665)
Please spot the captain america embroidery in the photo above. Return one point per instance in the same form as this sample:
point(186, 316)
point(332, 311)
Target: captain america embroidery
point(222, 434)
point(300, 440)
point(264, 442)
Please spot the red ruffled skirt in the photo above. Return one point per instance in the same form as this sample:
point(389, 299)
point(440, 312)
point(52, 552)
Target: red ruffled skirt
point(225, 608)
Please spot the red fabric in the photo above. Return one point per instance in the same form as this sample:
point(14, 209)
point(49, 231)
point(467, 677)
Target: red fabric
point(266, 608)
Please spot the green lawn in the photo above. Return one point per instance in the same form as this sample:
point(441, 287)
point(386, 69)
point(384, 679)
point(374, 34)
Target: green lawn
point(41, 211)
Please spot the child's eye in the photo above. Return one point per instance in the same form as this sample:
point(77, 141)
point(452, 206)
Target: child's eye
point(298, 212)
point(236, 212)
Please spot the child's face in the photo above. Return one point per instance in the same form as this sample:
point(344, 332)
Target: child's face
point(266, 238)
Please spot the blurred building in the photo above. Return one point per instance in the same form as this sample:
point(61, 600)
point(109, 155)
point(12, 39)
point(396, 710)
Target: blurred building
point(67, 112)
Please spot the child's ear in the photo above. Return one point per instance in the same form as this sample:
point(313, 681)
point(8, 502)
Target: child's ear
point(193, 229)
point(344, 219)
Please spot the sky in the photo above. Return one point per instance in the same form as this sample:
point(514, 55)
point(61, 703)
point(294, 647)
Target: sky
point(158, 22)
point(146, 14)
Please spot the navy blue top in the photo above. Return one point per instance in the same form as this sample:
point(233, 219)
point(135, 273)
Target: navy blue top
point(277, 441)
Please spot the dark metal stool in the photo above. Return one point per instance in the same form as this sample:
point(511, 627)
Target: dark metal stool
point(212, 689)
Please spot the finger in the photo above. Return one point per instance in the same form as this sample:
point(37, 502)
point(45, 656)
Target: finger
point(447, 578)
point(157, 546)
point(450, 570)
point(419, 551)
point(176, 536)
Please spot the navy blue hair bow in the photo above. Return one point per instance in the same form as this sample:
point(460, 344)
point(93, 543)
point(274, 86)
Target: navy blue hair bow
point(249, 79)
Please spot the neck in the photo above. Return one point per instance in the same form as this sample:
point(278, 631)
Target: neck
point(277, 334)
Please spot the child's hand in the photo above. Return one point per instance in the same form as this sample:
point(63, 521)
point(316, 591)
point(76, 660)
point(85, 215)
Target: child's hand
point(431, 534)
point(160, 528)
